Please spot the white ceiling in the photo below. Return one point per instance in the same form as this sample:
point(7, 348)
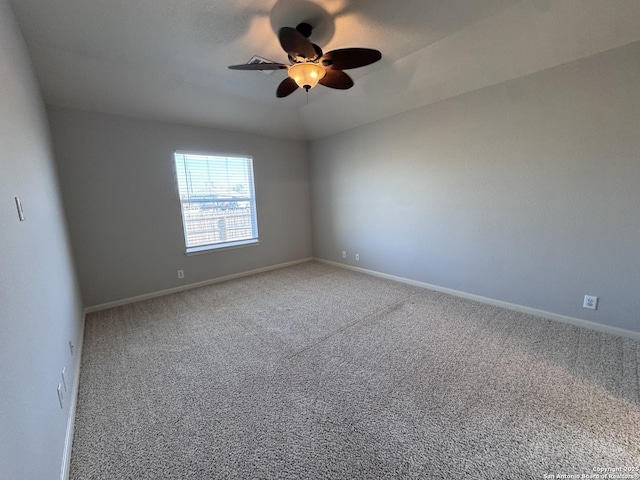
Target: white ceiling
point(167, 59)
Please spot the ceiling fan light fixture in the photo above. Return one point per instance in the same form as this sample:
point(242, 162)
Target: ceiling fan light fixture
point(307, 74)
point(309, 65)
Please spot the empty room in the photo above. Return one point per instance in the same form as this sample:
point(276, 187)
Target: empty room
point(334, 239)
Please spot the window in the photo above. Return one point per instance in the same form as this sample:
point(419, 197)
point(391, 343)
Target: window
point(217, 200)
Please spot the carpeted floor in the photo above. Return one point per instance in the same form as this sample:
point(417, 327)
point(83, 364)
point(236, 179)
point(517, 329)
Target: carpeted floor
point(313, 371)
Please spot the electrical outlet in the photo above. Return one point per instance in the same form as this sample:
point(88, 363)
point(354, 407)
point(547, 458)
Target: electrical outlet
point(357, 257)
point(344, 254)
point(590, 302)
point(180, 273)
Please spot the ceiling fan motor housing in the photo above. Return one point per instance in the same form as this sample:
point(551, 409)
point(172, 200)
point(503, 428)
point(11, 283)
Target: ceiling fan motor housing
point(305, 29)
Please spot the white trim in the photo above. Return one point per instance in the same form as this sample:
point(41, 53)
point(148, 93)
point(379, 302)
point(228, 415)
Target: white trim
point(147, 296)
point(68, 439)
point(578, 322)
point(217, 247)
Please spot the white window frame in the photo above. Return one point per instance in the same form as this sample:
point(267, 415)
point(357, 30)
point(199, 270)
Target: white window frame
point(209, 202)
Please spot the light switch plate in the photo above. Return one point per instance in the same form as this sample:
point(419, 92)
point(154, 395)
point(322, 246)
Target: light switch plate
point(19, 207)
point(60, 395)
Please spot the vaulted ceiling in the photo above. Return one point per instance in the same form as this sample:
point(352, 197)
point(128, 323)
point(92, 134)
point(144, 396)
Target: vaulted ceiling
point(167, 59)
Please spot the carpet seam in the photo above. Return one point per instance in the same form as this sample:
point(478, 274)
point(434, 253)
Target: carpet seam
point(349, 325)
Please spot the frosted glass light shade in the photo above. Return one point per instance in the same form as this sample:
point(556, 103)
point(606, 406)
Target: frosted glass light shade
point(306, 75)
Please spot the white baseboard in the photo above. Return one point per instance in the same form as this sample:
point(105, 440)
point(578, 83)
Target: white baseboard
point(579, 322)
point(117, 303)
point(68, 440)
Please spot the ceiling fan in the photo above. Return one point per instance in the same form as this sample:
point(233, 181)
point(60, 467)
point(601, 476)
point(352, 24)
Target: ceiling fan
point(310, 66)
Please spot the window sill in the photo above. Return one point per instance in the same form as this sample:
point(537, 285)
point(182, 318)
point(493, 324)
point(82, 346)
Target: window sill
point(222, 246)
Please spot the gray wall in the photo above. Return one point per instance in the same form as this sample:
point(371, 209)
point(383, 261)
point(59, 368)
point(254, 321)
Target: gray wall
point(526, 192)
point(40, 308)
point(118, 182)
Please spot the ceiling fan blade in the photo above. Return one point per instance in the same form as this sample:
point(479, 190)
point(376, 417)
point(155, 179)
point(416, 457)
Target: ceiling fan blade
point(295, 44)
point(258, 66)
point(345, 58)
point(286, 87)
point(336, 79)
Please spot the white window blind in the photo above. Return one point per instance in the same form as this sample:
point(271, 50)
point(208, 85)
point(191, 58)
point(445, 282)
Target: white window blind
point(217, 200)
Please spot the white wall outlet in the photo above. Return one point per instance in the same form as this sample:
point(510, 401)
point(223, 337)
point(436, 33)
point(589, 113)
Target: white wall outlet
point(344, 254)
point(180, 273)
point(357, 257)
point(590, 302)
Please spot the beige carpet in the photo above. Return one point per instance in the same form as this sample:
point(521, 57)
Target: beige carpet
point(313, 371)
